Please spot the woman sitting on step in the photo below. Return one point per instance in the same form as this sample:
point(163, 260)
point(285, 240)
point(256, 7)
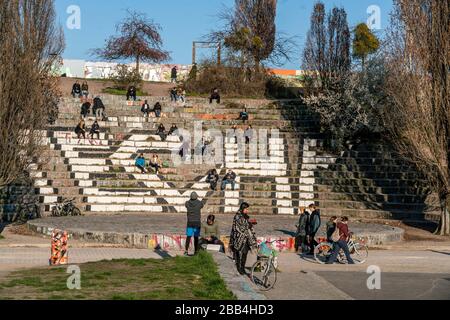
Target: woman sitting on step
point(155, 163)
point(80, 130)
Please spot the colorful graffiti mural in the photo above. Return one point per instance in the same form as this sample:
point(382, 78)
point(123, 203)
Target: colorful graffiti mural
point(104, 70)
point(177, 242)
point(59, 248)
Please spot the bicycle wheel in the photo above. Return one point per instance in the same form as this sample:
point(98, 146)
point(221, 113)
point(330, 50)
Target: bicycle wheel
point(264, 275)
point(359, 253)
point(322, 251)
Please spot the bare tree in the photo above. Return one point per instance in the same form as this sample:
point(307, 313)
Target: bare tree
point(327, 49)
point(250, 31)
point(418, 58)
point(30, 44)
point(139, 38)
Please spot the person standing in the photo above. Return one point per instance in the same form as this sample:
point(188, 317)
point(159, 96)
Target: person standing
point(99, 108)
point(314, 227)
point(131, 93)
point(242, 237)
point(301, 236)
point(85, 89)
point(342, 242)
point(174, 74)
point(194, 207)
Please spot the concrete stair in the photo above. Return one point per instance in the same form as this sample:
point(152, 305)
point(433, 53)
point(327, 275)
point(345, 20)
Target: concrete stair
point(296, 170)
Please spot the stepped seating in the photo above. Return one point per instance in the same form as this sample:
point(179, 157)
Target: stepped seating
point(294, 171)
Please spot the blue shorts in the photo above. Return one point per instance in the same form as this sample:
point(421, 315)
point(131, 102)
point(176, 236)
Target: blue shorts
point(193, 232)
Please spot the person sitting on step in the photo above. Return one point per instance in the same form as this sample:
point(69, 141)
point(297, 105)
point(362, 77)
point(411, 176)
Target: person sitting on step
point(215, 96)
point(161, 131)
point(95, 129)
point(80, 130)
point(173, 129)
point(229, 178)
point(243, 115)
point(155, 163)
point(146, 109)
point(212, 179)
point(140, 163)
point(210, 233)
point(157, 109)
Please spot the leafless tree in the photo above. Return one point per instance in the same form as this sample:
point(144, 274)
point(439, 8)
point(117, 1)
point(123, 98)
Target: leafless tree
point(139, 38)
point(30, 44)
point(327, 49)
point(418, 58)
point(250, 30)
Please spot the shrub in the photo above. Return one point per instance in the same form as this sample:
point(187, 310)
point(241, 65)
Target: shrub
point(125, 77)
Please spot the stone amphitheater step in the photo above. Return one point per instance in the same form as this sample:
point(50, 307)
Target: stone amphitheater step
point(101, 176)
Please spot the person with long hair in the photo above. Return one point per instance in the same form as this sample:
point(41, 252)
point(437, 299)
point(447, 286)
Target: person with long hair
point(242, 238)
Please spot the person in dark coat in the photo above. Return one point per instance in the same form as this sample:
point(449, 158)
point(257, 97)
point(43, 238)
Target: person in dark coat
point(99, 108)
point(194, 224)
point(215, 96)
point(95, 130)
point(76, 90)
point(301, 236)
point(173, 129)
point(174, 74)
point(85, 109)
point(229, 178)
point(242, 237)
point(314, 227)
point(131, 93)
point(331, 227)
point(146, 109)
point(157, 109)
point(162, 132)
point(212, 179)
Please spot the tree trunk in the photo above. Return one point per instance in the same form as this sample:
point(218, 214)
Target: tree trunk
point(138, 58)
point(444, 223)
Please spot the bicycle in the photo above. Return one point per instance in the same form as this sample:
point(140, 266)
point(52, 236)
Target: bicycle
point(358, 251)
point(65, 208)
point(264, 270)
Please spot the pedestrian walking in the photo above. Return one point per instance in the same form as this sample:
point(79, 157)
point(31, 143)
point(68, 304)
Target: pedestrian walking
point(314, 227)
point(345, 235)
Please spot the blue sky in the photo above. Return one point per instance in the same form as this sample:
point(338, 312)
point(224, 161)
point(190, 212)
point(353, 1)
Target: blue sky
point(184, 21)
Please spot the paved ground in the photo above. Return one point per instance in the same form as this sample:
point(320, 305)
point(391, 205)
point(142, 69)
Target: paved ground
point(404, 275)
point(176, 223)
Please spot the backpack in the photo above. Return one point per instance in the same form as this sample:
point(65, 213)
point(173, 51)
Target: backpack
point(336, 235)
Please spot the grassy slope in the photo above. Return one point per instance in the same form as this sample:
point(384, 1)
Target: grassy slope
point(174, 278)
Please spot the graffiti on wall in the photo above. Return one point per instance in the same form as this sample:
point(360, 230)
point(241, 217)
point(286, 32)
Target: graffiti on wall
point(104, 70)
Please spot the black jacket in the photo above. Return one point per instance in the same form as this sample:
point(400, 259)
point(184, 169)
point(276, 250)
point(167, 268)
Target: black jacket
point(98, 104)
point(194, 207)
point(303, 225)
point(157, 106)
point(212, 177)
point(230, 176)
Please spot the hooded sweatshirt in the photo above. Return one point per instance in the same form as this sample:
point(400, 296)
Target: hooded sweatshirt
point(194, 207)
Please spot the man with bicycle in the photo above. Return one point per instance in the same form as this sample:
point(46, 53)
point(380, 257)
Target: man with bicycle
point(345, 235)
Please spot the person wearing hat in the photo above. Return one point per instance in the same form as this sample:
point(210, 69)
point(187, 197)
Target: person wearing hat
point(242, 238)
point(194, 207)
